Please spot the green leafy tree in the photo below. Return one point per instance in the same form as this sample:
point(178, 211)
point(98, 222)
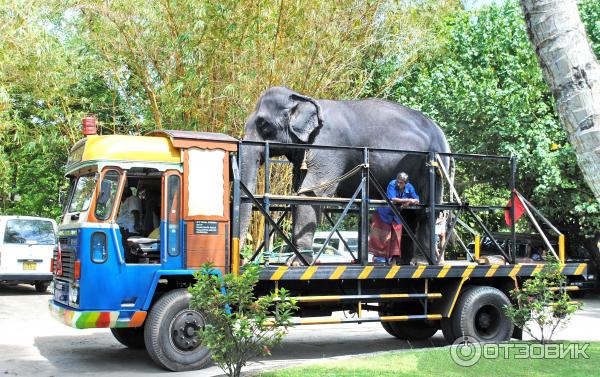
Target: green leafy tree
point(48, 82)
point(185, 64)
point(239, 325)
point(485, 89)
point(542, 305)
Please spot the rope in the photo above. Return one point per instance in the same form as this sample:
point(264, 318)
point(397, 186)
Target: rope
point(332, 182)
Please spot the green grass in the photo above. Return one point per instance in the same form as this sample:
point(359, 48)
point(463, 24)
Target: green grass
point(437, 362)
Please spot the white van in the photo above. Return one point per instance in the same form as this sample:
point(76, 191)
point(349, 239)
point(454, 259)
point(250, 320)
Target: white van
point(336, 251)
point(26, 246)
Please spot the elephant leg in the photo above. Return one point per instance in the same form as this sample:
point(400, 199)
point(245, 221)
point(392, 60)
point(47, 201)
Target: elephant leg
point(306, 216)
point(305, 224)
point(424, 237)
point(419, 225)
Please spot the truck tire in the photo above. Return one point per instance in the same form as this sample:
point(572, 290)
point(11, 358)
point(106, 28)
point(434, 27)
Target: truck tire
point(479, 314)
point(408, 330)
point(130, 337)
point(386, 326)
point(447, 325)
point(447, 330)
point(170, 333)
point(42, 286)
point(411, 330)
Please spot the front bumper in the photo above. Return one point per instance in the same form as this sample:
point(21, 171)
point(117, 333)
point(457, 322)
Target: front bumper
point(83, 319)
point(26, 277)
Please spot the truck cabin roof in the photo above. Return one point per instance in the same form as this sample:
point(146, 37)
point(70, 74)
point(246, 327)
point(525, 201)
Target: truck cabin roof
point(154, 149)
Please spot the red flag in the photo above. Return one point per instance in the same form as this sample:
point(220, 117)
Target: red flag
point(519, 209)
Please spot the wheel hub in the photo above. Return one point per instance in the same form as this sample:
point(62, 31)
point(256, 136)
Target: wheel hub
point(487, 321)
point(484, 320)
point(184, 328)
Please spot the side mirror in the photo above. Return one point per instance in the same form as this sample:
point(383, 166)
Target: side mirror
point(62, 196)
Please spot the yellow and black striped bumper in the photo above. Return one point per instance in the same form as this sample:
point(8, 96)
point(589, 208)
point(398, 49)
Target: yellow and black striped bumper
point(352, 272)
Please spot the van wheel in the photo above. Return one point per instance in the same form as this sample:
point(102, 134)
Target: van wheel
point(131, 337)
point(170, 333)
point(42, 286)
point(479, 313)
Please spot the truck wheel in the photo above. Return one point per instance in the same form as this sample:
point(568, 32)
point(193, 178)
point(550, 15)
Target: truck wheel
point(386, 326)
point(411, 330)
point(42, 286)
point(170, 333)
point(446, 323)
point(447, 330)
point(130, 337)
point(479, 313)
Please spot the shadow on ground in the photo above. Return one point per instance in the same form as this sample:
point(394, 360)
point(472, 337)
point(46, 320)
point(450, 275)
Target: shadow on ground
point(20, 290)
point(92, 353)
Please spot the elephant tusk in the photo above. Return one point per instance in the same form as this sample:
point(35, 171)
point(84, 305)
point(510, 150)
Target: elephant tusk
point(304, 165)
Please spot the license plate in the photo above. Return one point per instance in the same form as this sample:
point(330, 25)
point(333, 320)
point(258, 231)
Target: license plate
point(29, 266)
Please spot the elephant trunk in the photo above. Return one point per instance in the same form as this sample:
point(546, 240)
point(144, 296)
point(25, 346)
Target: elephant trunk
point(251, 159)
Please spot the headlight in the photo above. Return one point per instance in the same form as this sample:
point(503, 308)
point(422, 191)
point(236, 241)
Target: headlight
point(74, 295)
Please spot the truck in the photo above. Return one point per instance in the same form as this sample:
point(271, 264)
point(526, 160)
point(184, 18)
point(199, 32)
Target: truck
point(191, 193)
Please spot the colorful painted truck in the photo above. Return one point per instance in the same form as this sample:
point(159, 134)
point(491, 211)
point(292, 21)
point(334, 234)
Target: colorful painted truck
point(188, 199)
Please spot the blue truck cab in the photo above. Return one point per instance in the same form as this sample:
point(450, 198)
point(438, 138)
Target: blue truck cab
point(129, 271)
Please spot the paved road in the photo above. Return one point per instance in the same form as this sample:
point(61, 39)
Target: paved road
point(32, 343)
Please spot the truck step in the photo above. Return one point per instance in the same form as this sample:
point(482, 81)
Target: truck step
point(393, 318)
point(370, 298)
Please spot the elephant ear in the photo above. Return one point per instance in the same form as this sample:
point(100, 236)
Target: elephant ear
point(305, 117)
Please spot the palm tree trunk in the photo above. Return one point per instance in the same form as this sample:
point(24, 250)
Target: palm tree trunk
point(572, 71)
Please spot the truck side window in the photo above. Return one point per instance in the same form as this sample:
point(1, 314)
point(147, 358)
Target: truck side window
point(107, 194)
point(173, 215)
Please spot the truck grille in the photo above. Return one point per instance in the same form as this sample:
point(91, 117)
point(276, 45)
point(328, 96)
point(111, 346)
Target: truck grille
point(67, 258)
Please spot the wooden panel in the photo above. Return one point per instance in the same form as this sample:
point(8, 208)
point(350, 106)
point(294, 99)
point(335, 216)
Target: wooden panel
point(202, 248)
point(226, 192)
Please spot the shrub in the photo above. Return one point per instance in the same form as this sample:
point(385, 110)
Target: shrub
point(542, 303)
point(239, 326)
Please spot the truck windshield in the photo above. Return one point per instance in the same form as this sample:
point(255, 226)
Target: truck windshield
point(82, 193)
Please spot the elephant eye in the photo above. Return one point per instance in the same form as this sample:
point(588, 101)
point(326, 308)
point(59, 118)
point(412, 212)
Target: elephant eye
point(264, 127)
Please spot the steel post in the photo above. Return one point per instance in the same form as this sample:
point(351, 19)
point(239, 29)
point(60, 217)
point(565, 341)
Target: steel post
point(363, 238)
point(235, 220)
point(432, 217)
point(513, 172)
point(266, 202)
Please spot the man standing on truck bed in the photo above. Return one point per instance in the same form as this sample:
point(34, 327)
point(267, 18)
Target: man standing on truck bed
point(386, 231)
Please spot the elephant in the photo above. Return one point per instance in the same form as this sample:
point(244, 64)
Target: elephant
point(282, 115)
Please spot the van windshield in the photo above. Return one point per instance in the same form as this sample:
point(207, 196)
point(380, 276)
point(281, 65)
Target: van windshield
point(38, 232)
point(82, 193)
